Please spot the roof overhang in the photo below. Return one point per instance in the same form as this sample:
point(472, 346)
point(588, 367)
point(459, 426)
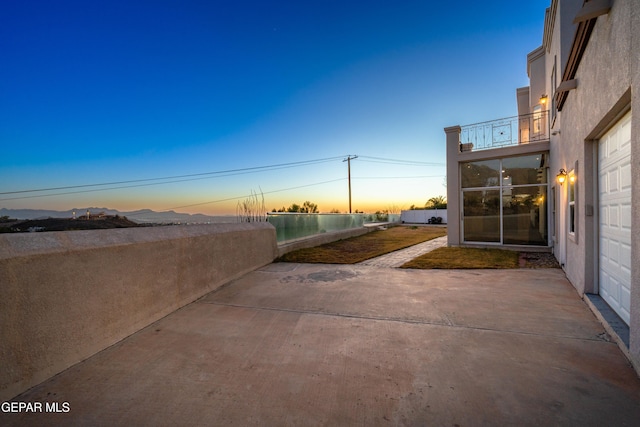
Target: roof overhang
point(586, 20)
point(592, 9)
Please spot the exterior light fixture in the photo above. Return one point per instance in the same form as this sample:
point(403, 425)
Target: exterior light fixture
point(572, 179)
point(543, 99)
point(562, 176)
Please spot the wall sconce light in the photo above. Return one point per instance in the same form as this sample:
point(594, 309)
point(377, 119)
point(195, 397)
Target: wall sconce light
point(543, 99)
point(562, 176)
point(572, 178)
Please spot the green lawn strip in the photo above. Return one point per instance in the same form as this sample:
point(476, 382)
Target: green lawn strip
point(370, 245)
point(451, 258)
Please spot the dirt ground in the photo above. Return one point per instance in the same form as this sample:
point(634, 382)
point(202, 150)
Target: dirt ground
point(538, 260)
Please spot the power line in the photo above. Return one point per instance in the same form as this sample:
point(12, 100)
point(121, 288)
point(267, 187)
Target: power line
point(188, 177)
point(200, 176)
point(98, 189)
point(249, 195)
point(116, 185)
point(121, 187)
point(371, 159)
point(397, 177)
point(348, 160)
point(292, 188)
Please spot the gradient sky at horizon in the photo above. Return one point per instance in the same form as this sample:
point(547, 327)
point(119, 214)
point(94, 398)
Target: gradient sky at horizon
point(111, 91)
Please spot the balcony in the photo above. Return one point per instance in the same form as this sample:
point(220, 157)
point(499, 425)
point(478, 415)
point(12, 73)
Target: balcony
point(507, 132)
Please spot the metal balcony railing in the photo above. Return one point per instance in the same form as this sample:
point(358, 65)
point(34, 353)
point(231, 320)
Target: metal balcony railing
point(505, 132)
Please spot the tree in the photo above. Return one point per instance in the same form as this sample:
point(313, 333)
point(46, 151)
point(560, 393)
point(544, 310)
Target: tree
point(307, 207)
point(294, 208)
point(438, 202)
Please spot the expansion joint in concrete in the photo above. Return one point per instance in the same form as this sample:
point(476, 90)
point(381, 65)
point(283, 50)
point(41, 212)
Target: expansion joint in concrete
point(447, 324)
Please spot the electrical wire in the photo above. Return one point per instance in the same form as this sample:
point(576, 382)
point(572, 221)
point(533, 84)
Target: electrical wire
point(371, 159)
point(196, 176)
point(249, 195)
point(117, 185)
point(397, 177)
point(123, 186)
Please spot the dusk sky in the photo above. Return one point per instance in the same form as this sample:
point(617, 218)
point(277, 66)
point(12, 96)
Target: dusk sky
point(162, 96)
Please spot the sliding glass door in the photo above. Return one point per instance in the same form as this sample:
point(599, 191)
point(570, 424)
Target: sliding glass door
point(505, 200)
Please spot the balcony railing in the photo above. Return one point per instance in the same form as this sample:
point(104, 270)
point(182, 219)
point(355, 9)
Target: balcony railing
point(505, 132)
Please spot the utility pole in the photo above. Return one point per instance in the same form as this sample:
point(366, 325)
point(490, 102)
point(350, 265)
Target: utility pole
point(348, 160)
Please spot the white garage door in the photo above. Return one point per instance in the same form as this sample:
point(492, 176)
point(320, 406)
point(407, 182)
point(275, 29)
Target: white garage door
point(614, 172)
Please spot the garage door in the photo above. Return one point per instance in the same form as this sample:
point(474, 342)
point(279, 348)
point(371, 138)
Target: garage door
point(614, 172)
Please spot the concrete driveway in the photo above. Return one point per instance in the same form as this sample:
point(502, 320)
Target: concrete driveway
point(302, 344)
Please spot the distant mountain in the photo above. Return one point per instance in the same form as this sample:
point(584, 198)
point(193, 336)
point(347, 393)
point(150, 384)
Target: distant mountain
point(140, 216)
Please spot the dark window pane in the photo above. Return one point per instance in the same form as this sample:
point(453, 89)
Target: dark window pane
point(524, 170)
point(481, 216)
point(480, 174)
point(524, 215)
point(572, 190)
point(572, 218)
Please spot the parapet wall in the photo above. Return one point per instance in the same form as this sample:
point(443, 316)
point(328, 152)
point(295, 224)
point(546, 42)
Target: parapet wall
point(68, 295)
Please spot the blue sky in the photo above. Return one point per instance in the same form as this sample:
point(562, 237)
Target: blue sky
point(110, 91)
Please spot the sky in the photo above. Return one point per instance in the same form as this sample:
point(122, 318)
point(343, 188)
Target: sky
point(194, 105)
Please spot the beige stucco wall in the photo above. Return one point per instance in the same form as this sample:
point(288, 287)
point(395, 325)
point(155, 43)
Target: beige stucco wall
point(522, 99)
point(68, 295)
point(453, 185)
point(608, 77)
point(537, 80)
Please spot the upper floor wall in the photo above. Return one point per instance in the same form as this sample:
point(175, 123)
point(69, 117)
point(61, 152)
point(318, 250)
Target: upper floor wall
point(538, 91)
point(546, 64)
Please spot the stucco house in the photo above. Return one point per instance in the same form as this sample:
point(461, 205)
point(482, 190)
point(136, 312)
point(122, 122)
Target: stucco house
point(564, 175)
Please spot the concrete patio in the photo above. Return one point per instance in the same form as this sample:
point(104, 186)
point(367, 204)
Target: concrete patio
point(302, 344)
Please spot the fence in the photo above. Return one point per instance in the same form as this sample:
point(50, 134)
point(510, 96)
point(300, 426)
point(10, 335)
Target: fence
point(291, 226)
point(505, 132)
point(423, 216)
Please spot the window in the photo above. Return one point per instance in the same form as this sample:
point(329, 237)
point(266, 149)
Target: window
point(572, 203)
point(484, 173)
point(553, 91)
point(481, 216)
point(537, 120)
point(524, 216)
point(505, 200)
point(554, 203)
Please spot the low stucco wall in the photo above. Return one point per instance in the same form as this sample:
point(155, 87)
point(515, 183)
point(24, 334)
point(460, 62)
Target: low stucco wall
point(68, 295)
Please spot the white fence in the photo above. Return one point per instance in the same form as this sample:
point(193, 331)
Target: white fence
point(422, 216)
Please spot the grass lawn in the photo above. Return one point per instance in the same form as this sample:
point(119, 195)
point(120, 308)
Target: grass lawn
point(446, 257)
point(370, 245)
